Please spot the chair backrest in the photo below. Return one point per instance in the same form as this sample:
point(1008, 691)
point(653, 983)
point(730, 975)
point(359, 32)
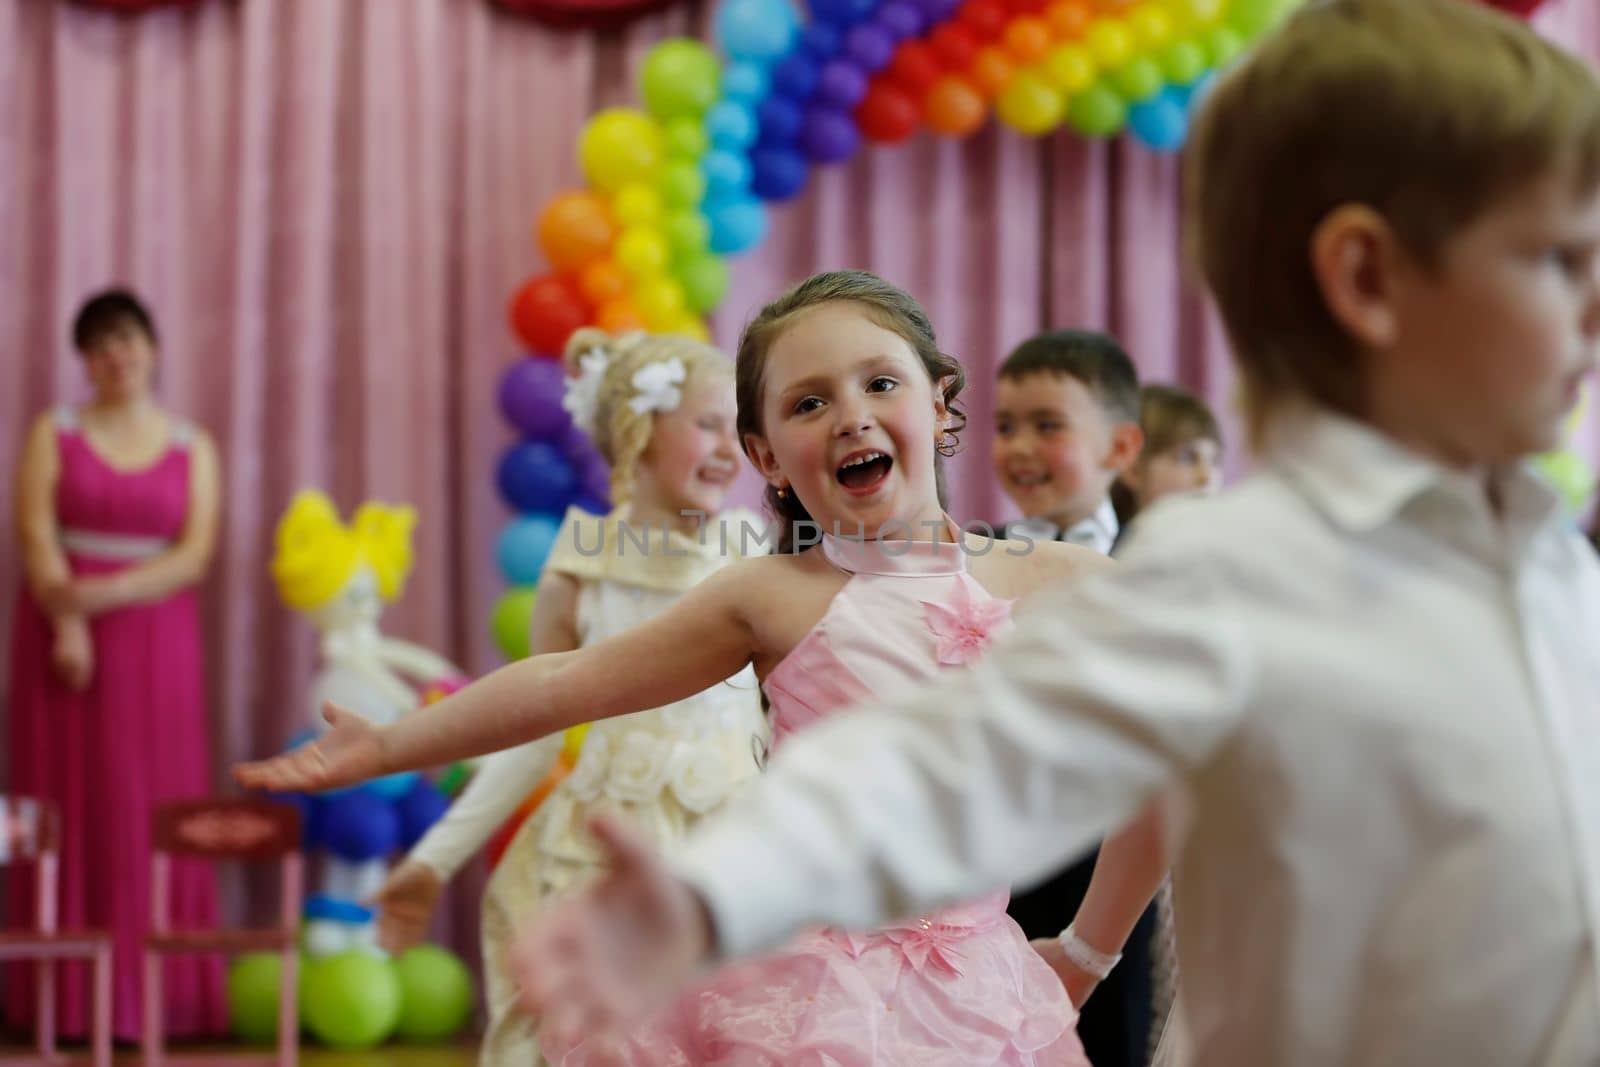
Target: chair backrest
point(226, 828)
point(30, 828)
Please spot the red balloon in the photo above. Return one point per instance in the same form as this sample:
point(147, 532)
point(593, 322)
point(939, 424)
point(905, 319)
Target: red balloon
point(986, 18)
point(954, 45)
point(546, 310)
point(888, 113)
point(914, 68)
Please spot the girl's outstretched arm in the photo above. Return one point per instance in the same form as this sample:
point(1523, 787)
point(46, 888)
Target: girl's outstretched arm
point(701, 640)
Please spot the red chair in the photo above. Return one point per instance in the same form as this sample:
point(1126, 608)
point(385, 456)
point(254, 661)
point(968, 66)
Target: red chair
point(225, 829)
point(30, 830)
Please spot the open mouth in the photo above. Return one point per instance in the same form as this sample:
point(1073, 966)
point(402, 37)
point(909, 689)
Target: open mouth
point(864, 471)
point(1028, 481)
point(717, 476)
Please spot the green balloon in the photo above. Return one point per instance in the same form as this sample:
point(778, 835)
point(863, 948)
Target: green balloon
point(1223, 45)
point(682, 184)
point(253, 997)
point(686, 139)
point(1255, 17)
point(688, 233)
point(435, 994)
point(1097, 112)
point(511, 621)
point(1137, 80)
point(1183, 62)
point(680, 77)
point(705, 280)
point(350, 1000)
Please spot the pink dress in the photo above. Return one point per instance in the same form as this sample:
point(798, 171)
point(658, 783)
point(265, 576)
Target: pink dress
point(959, 988)
point(107, 756)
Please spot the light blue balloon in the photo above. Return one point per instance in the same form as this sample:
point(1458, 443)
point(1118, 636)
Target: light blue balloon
point(1159, 122)
point(731, 125)
point(745, 83)
point(1192, 95)
point(727, 173)
point(758, 30)
point(737, 223)
point(524, 545)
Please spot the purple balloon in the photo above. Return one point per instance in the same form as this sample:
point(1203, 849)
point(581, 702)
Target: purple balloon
point(871, 47)
point(841, 85)
point(900, 18)
point(829, 136)
point(577, 446)
point(778, 173)
point(530, 397)
point(594, 481)
point(795, 76)
point(936, 11)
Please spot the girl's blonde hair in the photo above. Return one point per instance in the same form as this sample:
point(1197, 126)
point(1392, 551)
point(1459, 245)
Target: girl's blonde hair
point(317, 554)
point(620, 431)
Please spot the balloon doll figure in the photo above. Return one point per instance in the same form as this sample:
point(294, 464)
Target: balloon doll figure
point(340, 577)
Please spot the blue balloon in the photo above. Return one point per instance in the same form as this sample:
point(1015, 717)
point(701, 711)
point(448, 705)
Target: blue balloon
point(1159, 122)
point(593, 506)
point(795, 76)
point(727, 173)
point(524, 545)
point(424, 805)
point(1189, 96)
point(900, 18)
point(756, 30)
point(780, 119)
point(842, 12)
point(745, 83)
point(737, 223)
point(870, 46)
point(778, 173)
point(535, 476)
point(530, 397)
point(391, 786)
point(311, 814)
point(360, 826)
point(732, 125)
point(821, 41)
point(594, 479)
point(841, 85)
point(829, 136)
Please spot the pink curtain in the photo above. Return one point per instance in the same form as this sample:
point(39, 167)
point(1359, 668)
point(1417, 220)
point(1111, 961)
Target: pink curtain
point(328, 204)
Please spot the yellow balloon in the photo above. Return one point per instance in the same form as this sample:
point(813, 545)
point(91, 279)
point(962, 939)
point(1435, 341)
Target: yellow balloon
point(619, 147)
point(637, 205)
point(1194, 14)
point(689, 325)
point(1069, 68)
point(1151, 28)
point(1030, 105)
point(642, 252)
point(1109, 42)
point(572, 742)
point(660, 301)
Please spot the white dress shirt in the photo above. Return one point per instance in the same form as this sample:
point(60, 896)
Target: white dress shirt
point(1098, 531)
point(1386, 701)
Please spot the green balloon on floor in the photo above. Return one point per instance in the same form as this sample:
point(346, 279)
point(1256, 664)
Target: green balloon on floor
point(350, 1000)
point(253, 997)
point(435, 994)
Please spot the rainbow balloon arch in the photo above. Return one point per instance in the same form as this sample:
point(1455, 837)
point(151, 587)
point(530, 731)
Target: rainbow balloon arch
point(676, 188)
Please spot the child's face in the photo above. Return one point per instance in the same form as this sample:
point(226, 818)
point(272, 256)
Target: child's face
point(1194, 466)
point(693, 457)
point(1056, 449)
point(121, 362)
point(850, 420)
point(1479, 358)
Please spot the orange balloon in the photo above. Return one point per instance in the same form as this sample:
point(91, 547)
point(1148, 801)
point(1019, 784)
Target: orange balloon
point(953, 106)
point(618, 315)
point(603, 280)
point(1069, 18)
point(990, 71)
point(575, 229)
point(1026, 40)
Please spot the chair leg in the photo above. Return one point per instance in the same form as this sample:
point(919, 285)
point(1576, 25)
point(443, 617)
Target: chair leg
point(153, 1001)
point(46, 1021)
point(289, 1009)
point(102, 1006)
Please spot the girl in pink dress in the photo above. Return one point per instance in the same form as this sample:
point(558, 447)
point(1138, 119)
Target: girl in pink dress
point(117, 517)
point(845, 406)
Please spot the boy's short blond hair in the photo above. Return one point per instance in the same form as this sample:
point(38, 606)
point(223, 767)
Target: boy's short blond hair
point(1427, 111)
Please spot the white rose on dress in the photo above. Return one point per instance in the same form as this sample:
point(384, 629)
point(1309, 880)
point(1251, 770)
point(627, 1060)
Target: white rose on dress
point(703, 779)
point(589, 776)
point(639, 768)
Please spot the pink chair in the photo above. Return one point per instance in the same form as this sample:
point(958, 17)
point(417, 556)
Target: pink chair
point(218, 828)
point(30, 830)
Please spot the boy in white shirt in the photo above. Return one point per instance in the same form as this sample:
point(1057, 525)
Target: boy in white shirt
point(1373, 664)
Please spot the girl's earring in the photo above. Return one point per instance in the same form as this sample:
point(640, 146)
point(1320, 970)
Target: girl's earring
point(782, 491)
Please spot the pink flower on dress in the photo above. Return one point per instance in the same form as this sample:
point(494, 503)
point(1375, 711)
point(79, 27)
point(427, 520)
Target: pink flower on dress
point(930, 944)
point(965, 625)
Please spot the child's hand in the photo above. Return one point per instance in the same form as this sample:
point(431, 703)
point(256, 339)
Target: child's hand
point(405, 904)
point(351, 752)
point(600, 960)
point(1079, 982)
point(72, 653)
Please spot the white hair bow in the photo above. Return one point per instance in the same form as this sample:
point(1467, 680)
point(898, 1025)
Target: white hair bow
point(655, 386)
point(582, 396)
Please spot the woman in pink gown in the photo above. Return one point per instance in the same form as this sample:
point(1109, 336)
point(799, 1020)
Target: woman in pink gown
point(116, 522)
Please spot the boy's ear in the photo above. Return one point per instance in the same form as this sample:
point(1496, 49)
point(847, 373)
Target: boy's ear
point(1359, 263)
point(760, 453)
point(1127, 441)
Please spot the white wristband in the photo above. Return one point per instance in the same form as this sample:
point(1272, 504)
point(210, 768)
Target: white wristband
point(1085, 956)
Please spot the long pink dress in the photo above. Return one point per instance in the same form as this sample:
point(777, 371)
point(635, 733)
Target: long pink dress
point(959, 988)
point(109, 755)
